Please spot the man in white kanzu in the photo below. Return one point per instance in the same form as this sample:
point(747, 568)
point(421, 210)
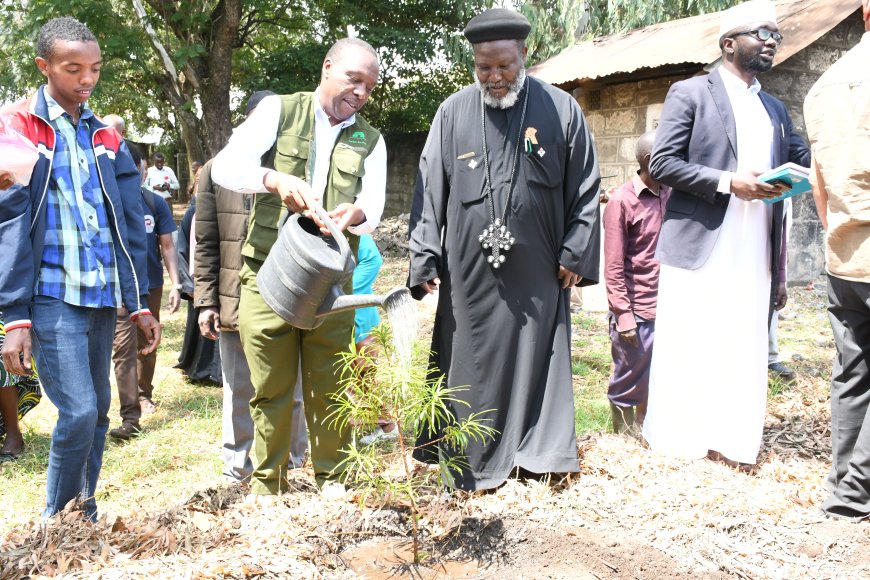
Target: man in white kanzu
point(721, 248)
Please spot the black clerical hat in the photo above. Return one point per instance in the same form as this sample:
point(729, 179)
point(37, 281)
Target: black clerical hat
point(497, 24)
point(255, 99)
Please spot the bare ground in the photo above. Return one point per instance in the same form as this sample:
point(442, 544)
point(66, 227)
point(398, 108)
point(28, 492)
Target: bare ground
point(629, 514)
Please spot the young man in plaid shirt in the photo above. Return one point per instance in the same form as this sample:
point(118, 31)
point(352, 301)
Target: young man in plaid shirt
point(74, 251)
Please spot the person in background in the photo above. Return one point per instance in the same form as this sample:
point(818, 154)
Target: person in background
point(199, 358)
point(118, 123)
point(74, 252)
point(632, 220)
point(18, 394)
point(775, 367)
point(369, 261)
point(837, 114)
point(195, 168)
point(160, 179)
point(222, 224)
point(134, 373)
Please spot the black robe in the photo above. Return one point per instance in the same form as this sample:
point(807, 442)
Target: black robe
point(200, 357)
point(506, 333)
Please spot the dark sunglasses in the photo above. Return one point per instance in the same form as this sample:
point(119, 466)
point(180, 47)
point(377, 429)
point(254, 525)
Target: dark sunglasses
point(762, 34)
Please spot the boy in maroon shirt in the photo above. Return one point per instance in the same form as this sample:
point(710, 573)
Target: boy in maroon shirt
point(632, 220)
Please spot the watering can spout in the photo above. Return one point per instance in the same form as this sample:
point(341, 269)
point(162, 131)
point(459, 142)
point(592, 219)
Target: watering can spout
point(336, 301)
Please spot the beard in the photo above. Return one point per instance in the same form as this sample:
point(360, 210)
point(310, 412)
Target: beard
point(507, 101)
point(756, 65)
point(752, 62)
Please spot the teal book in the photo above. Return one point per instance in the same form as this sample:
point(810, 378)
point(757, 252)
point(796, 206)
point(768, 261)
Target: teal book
point(790, 174)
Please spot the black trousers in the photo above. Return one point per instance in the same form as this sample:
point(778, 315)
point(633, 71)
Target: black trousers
point(849, 480)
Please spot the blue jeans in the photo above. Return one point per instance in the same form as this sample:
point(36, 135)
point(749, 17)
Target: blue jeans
point(73, 349)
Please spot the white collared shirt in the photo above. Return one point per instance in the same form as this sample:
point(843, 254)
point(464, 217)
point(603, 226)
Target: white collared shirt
point(754, 127)
point(237, 166)
point(155, 176)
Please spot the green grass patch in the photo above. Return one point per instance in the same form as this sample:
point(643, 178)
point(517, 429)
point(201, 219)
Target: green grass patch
point(177, 454)
point(593, 364)
point(590, 366)
point(591, 411)
point(777, 385)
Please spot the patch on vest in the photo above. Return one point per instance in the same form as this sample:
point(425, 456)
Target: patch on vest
point(358, 138)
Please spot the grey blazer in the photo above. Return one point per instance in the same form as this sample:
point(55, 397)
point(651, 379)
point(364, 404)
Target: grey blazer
point(696, 141)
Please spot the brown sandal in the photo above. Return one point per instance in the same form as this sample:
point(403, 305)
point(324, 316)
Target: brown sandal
point(718, 457)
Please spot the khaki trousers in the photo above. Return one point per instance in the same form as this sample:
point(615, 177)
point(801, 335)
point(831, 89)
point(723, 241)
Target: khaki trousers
point(124, 356)
point(146, 364)
point(134, 373)
point(274, 350)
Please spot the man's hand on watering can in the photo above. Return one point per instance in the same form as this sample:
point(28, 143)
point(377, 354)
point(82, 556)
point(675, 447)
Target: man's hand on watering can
point(346, 214)
point(294, 192)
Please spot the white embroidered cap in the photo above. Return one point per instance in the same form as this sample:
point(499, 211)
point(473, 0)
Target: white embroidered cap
point(746, 13)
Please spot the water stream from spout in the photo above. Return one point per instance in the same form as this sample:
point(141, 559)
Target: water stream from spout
point(402, 313)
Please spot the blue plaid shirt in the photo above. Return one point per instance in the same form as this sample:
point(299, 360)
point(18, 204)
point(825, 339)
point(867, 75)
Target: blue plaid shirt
point(78, 262)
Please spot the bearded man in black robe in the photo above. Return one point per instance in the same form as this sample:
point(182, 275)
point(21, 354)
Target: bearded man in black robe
point(504, 222)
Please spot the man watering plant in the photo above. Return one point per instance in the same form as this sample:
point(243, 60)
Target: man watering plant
point(317, 150)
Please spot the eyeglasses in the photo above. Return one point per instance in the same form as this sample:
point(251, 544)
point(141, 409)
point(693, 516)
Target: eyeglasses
point(762, 34)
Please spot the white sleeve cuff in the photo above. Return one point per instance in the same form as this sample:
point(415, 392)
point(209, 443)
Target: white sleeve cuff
point(725, 182)
point(361, 229)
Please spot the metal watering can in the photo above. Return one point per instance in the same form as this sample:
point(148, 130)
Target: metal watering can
point(302, 276)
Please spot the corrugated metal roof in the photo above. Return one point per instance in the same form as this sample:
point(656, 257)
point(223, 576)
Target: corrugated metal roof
point(687, 41)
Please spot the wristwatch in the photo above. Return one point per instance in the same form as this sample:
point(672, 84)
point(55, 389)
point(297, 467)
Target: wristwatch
point(178, 287)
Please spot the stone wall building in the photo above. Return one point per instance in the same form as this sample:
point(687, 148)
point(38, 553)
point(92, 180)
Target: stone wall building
point(403, 159)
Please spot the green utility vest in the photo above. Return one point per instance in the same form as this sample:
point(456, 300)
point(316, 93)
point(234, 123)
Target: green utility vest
point(293, 153)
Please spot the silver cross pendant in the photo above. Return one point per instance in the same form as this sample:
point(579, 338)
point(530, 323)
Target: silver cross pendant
point(497, 239)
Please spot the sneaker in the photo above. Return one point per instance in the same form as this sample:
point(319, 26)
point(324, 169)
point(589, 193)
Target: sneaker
point(379, 435)
point(125, 431)
point(147, 405)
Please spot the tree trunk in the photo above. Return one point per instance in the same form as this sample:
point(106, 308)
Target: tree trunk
point(189, 126)
point(208, 77)
point(215, 93)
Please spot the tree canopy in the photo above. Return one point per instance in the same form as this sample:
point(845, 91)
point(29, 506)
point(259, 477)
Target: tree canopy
point(185, 67)
point(554, 26)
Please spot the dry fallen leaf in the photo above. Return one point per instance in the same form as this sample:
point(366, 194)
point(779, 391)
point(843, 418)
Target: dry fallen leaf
point(201, 521)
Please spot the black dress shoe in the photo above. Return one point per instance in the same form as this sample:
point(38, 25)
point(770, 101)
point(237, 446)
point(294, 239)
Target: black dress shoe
point(125, 431)
point(782, 371)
